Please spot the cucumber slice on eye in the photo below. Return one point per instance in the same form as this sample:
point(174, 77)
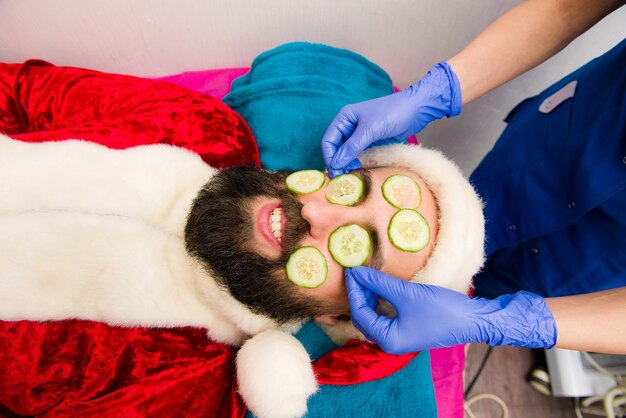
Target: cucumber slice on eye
point(408, 230)
point(305, 181)
point(402, 192)
point(350, 245)
point(307, 267)
point(346, 190)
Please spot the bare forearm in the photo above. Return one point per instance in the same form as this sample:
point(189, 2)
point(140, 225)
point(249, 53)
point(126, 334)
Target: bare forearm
point(591, 322)
point(523, 38)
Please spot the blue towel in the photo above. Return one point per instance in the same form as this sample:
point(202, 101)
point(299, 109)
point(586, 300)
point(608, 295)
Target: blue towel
point(408, 393)
point(294, 91)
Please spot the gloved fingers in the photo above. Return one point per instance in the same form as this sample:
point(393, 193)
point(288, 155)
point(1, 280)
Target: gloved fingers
point(353, 146)
point(331, 141)
point(338, 131)
point(354, 165)
point(359, 296)
point(363, 304)
point(362, 330)
point(394, 290)
point(332, 173)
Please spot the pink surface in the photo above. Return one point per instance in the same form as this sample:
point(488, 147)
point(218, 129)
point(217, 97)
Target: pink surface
point(447, 364)
point(215, 83)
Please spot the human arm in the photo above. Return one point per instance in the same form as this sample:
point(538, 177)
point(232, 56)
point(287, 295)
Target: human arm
point(431, 316)
point(591, 322)
point(516, 42)
point(523, 38)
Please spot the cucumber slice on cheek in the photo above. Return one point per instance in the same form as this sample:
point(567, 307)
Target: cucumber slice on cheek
point(346, 190)
point(402, 192)
point(408, 230)
point(350, 245)
point(305, 181)
point(307, 267)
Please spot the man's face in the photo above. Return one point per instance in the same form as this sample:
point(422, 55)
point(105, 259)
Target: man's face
point(230, 230)
point(373, 213)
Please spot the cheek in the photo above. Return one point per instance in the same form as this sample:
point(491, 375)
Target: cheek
point(333, 290)
point(404, 265)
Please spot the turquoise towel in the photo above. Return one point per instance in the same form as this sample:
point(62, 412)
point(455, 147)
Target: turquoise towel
point(409, 393)
point(294, 91)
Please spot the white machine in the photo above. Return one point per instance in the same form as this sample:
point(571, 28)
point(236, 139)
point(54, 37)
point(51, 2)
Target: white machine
point(595, 377)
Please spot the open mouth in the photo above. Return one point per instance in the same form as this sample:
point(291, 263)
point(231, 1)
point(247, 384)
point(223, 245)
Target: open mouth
point(271, 223)
point(276, 225)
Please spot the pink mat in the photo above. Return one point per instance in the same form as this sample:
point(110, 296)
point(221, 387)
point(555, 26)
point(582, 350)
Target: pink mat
point(447, 364)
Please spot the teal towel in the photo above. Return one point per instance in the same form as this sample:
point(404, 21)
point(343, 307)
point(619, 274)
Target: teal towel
point(408, 393)
point(294, 91)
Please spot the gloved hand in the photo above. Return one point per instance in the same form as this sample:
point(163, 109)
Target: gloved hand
point(433, 316)
point(392, 117)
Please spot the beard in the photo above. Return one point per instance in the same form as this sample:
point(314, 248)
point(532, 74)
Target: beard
point(219, 230)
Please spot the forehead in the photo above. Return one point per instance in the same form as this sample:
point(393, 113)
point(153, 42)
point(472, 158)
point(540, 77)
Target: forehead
point(396, 262)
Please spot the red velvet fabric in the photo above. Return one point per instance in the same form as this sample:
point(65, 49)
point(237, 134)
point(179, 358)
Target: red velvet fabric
point(358, 362)
point(86, 369)
point(39, 101)
point(81, 368)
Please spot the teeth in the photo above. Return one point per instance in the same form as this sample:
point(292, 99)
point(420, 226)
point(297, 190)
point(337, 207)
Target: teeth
point(275, 223)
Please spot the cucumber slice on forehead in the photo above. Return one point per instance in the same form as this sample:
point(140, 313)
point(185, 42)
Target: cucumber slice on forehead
point(350, 245)
point(307, 267)
point(408, 230)
point(305, 181)
point(402, 192)
point(346, 190)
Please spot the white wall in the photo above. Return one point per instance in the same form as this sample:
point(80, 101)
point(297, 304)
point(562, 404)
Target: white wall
point(159, 37)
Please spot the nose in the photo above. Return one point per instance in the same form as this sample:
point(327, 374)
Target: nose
point(325, 217)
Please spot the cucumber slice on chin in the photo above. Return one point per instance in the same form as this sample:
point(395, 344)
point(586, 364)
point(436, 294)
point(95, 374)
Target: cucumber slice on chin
point(346, 190)
point(307, 267)
point(305, 181)
point(408, 230)
point(350, 245)
point(402, 192)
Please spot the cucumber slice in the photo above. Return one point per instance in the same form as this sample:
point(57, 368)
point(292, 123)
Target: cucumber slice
point(307, 267)
point(346, 190)
point(408, 230)
point(350, 245)
point(402, 192)
point(305, 181)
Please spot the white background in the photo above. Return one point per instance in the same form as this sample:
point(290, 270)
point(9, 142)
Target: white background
point(405, 37)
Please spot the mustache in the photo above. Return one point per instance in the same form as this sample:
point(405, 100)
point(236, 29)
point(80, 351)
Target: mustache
point(296, 227)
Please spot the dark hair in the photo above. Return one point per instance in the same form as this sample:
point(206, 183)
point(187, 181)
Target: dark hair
point(219, 229)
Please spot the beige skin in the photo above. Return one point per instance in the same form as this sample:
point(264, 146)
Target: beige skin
point(375, 212)
point(523, 38)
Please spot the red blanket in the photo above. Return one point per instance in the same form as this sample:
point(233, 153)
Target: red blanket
point(39, 101)
point(82, 368)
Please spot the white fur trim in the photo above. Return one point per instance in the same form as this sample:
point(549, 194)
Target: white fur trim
point(275, 375)
point(459, 251)
point(94, 233)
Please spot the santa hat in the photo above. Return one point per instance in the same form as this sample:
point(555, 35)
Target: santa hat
point(458, 253)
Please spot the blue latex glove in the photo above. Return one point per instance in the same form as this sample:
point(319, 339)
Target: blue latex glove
point(393, 117)
point(433, 316)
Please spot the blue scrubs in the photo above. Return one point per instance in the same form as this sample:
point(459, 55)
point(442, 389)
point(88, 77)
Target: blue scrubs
point(554, 187)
